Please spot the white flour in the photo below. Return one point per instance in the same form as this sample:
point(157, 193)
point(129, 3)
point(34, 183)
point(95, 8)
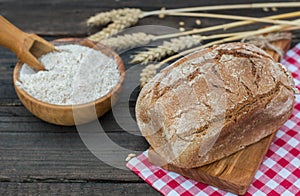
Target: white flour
point(75, 75)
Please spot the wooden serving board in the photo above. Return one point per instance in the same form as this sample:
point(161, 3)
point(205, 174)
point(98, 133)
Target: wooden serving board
point(234, 173)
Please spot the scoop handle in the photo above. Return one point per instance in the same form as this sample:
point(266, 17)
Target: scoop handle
point(18, 42)
point(10, 36)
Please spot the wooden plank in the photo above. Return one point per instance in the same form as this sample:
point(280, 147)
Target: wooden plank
point(92, 188)
point(19, 119)
point(61, 157)
point(235, 172)
point(8, 95)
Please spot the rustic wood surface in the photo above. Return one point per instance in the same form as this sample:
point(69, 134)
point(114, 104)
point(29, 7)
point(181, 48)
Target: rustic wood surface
point(40, 158)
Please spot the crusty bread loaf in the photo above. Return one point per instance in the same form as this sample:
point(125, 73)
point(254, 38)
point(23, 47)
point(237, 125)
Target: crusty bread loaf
point(213, 103)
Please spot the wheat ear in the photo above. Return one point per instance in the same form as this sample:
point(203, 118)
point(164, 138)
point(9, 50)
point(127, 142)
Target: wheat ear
point(167, 48)
point(122, 42)
point(104, 18)
point(126, 41)
point(119, 23)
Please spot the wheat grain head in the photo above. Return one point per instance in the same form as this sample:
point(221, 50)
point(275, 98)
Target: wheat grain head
point(167, 48)
point(122, 42)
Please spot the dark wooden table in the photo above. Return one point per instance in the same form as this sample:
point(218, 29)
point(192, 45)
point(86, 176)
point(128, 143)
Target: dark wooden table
point(40, 158)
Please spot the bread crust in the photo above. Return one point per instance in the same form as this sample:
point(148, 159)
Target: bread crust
point(213, 103)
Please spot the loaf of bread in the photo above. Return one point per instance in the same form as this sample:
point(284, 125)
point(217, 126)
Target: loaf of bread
point(213, 103)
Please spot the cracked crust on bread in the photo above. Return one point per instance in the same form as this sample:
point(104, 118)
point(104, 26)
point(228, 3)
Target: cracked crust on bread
point(213, 103)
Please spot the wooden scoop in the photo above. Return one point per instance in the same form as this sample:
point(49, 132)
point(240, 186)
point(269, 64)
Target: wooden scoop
point(27, 47)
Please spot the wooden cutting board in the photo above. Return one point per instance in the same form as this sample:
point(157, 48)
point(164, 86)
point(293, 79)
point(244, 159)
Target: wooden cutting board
point(234, 173)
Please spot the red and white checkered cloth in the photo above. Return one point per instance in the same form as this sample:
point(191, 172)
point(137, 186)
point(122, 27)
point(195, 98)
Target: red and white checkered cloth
point(279, 174)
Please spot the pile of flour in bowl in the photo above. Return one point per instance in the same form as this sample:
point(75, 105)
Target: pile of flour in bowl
point(74, 75)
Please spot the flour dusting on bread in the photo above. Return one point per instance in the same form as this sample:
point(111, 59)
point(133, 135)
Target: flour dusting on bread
point(213, 103)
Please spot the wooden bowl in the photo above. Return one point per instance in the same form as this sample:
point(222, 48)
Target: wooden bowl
point(73, 114)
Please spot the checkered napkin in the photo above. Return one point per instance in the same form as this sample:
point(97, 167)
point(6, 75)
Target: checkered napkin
point(279, 173)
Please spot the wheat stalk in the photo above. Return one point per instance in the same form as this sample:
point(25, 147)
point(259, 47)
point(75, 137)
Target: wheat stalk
point(224, 7)
point(234, 17)
point(241, 35)
point(230, 25)
point(167, 48)
point(120, 22)
point(122, 42)
point(104, 18)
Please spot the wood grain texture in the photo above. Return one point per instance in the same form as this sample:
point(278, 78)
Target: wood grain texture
point(60, 157)
point(79, 188)
point(236, 172)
